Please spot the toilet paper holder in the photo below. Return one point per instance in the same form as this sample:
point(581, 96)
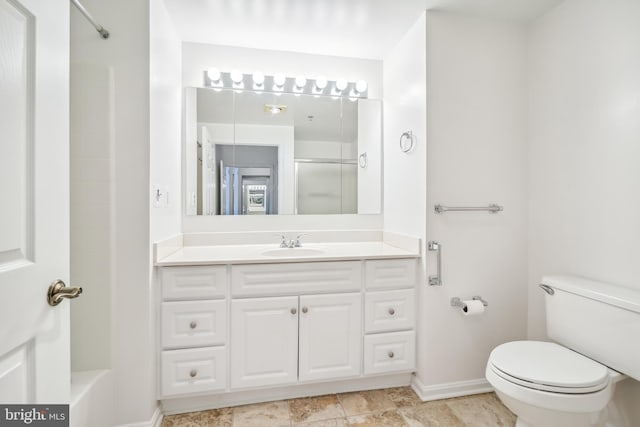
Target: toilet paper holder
point(457, 302)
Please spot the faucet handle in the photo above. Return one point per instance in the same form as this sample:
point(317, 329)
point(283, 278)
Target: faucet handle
point(283, 240)
point(298, 242)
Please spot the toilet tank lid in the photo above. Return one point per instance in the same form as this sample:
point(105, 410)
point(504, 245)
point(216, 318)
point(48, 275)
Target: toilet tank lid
point(619, 296)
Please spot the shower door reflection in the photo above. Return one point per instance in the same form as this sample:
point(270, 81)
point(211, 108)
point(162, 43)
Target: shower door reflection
point(326, 187)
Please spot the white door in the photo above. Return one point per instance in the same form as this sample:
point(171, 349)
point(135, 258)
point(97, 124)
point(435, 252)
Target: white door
point(34, 199)
point(330, 336)
point(264, 341)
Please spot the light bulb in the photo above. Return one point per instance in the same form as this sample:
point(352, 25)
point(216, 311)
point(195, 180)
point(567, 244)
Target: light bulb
point(341, 84)
point(361, 86)
point(279, 79)
point(301, 81)
point(214, 74)
point(321, 82)
point(258, 78)
point(236, 76)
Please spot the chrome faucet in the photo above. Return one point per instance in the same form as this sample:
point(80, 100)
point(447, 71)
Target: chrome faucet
point(284, 243)
point(298, 243)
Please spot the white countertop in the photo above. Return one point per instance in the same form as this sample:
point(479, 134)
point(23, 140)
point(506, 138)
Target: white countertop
point(251, 254)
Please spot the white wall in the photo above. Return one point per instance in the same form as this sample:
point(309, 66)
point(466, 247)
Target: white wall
point(476, 155)
point(404, 108)
point(584, 149)
point(126, 54)
point(165, 111)
point(405, 182)
point(92, 210)
point(165, 166)
point(584, 110)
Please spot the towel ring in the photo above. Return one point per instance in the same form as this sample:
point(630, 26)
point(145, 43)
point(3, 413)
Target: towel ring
point(404, 145)
point(362, 160)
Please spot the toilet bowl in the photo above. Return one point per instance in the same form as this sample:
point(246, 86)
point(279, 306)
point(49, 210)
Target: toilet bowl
point(548, 385)
point(571, 382)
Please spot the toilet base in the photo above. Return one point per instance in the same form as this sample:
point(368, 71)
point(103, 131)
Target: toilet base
point(532, 416)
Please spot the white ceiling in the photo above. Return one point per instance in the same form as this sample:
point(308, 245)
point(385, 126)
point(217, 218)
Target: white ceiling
point(351, 28)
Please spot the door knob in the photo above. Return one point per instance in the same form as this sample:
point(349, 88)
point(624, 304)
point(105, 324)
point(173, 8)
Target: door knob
point(58, 291)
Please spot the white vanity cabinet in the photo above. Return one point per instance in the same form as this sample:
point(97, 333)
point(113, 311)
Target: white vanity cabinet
point(193, 330)
point(389, 341)
point(239, 327)
point(264, 342)
point(330, 336)
point(283, 340)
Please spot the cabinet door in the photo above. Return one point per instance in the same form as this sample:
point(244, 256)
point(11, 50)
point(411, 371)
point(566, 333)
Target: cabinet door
point(264, 341)
point(330, 336)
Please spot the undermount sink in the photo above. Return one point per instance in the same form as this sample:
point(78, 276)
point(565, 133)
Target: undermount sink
point(292, 252)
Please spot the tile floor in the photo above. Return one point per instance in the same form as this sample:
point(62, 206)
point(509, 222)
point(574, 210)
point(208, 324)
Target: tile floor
point(392, 407)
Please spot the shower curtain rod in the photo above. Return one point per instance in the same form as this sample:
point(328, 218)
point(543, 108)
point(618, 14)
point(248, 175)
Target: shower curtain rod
point(99, 28)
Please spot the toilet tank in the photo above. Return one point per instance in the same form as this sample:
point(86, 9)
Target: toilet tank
point(598, 320)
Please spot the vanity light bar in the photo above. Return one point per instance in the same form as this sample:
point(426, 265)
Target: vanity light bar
point(279, 83)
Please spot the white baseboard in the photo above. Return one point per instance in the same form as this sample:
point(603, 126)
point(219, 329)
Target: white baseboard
point(155, 421)
point(221, 400)
point(447, 390)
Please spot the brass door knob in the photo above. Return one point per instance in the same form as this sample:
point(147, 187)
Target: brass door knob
point(59, 291)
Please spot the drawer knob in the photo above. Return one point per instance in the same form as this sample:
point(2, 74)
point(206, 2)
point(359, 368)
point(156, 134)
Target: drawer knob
point(193, 324)
point(294, 311)
point(193, 373)
point(390, 354)
point(305, 309)
point(392, 311)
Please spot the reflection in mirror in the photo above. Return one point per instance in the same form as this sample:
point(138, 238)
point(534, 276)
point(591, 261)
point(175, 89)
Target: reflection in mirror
point(257, 153)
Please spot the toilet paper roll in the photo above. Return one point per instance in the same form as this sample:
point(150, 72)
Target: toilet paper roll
point(472, 307)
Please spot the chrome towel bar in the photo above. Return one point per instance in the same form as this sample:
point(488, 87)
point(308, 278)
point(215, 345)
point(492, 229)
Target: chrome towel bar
point(492, 208)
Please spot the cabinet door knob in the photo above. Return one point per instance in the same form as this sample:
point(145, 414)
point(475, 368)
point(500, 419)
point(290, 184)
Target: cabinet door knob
point(193, 324)
point(305, 309)
point(391, 355)
point(193, 373)
point(392, 311)
point(294, 311)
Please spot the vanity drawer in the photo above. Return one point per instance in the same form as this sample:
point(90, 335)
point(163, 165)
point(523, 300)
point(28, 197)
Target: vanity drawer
point(194, 282)
point(295, 278)
point(389, 310)
point(389, 352)
point(194, 370)
point(194, 323)
point(390, 273)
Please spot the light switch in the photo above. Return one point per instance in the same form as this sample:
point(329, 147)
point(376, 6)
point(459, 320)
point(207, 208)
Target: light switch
point(157, 196)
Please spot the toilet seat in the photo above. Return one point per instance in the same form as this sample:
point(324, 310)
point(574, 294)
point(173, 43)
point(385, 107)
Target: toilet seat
point(548, 367)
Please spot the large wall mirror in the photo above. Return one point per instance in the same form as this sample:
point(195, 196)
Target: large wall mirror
point(259, 153)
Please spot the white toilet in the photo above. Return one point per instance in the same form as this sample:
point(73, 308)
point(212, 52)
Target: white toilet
point(570, 384)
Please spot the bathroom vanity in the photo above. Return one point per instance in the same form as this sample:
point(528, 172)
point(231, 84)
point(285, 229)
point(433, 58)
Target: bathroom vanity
point(241, 323)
